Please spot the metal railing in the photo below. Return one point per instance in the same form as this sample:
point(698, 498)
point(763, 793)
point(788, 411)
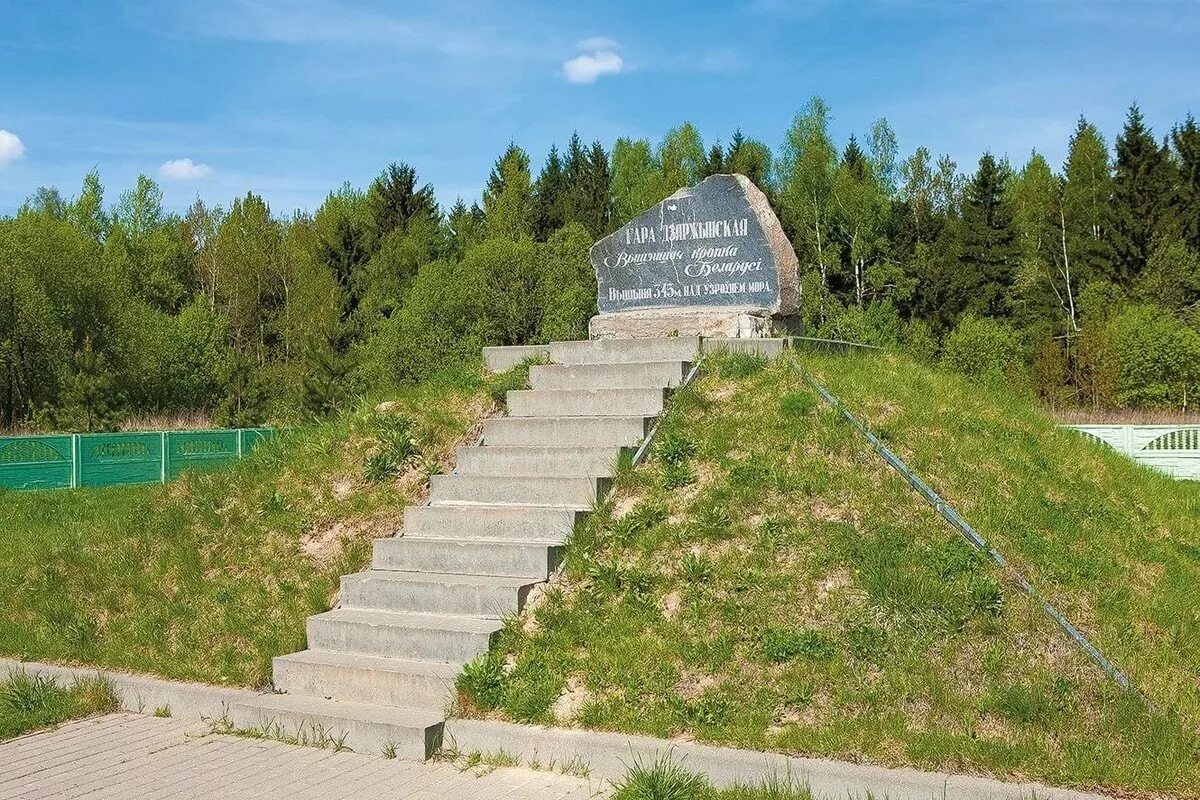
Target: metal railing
point(974, 538)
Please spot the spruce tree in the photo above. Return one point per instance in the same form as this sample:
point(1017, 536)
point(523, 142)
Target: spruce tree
point(593, 205)
point(1142, 186)
point(1186, 141)
point(989, 244)
point(550, 193)
point(394, 200)
point(714, 164)
point(854, 159)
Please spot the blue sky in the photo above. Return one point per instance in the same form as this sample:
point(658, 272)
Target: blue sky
point(290, 99)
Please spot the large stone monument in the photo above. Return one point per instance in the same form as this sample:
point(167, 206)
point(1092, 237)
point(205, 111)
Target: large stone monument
point(710, 260)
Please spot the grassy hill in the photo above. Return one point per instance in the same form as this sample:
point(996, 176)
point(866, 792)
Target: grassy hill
point(210, 576)
point(765, 580)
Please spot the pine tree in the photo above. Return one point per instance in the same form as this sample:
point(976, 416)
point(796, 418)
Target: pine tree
point(1186, 141)
point(1141, 197)
point(989, 256)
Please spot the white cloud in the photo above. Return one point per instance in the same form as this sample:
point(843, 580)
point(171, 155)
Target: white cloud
point(183, 169)
point(11, 147)
point(599, 58)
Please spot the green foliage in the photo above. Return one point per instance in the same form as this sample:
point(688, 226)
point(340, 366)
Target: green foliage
point(482, 682)
point(29, 701)
point(1159, 359)
point(662, 779)
point(983, 349)
point(237, 314)
point(674, 448)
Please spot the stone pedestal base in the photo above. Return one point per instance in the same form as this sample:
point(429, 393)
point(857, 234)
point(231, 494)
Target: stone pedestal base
point(713, 322)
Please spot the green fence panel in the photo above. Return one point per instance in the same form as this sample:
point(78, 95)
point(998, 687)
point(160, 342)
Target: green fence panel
point(200, 450)
point(116, 459)
point(36, 462)
point(251, 437)
point(113, 459)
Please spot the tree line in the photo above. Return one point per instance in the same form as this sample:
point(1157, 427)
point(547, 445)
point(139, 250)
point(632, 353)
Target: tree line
point(1079, 284)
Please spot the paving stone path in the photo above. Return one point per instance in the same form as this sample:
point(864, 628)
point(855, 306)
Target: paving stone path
point(132, 756)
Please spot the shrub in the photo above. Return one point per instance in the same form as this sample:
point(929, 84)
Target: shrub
point(876, 324)
point(983, 349)
point(1158, 358)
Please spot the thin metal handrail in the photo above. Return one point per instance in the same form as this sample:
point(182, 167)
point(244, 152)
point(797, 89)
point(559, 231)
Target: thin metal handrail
point(975, 539)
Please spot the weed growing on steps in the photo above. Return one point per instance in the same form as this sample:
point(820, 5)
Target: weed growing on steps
point(209, 577)
point(481, 762)
point(31, 701)
point(799, 597)
point(307, 734)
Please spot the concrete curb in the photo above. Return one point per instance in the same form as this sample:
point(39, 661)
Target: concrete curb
point(606, 755)
point(609, 755)
point(142, 694)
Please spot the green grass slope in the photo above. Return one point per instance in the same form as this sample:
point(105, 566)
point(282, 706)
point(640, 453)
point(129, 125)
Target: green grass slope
point(209, 577)
point(765, 580)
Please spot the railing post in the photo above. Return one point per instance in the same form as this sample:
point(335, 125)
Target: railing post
point(162, 461)
point(75, 461)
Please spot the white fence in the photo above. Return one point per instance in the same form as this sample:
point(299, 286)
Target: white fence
point(1174, 449)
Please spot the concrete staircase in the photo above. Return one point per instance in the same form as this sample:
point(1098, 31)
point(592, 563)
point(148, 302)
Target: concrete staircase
point(380, 667)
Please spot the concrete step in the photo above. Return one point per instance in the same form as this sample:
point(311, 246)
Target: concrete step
point(612, 351)
point(490, 523)
point(435, 593)
point(565, 431)
point(366, 679)
point(640, 402)
point(501, 359)
point(421, 637)
point(467, 557)
point(764, 348)
point(653, 374)
point(412, 734)
point(516, 490)
point(546, 461)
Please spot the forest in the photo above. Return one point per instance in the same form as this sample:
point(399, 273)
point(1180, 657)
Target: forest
point(1077, 284)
